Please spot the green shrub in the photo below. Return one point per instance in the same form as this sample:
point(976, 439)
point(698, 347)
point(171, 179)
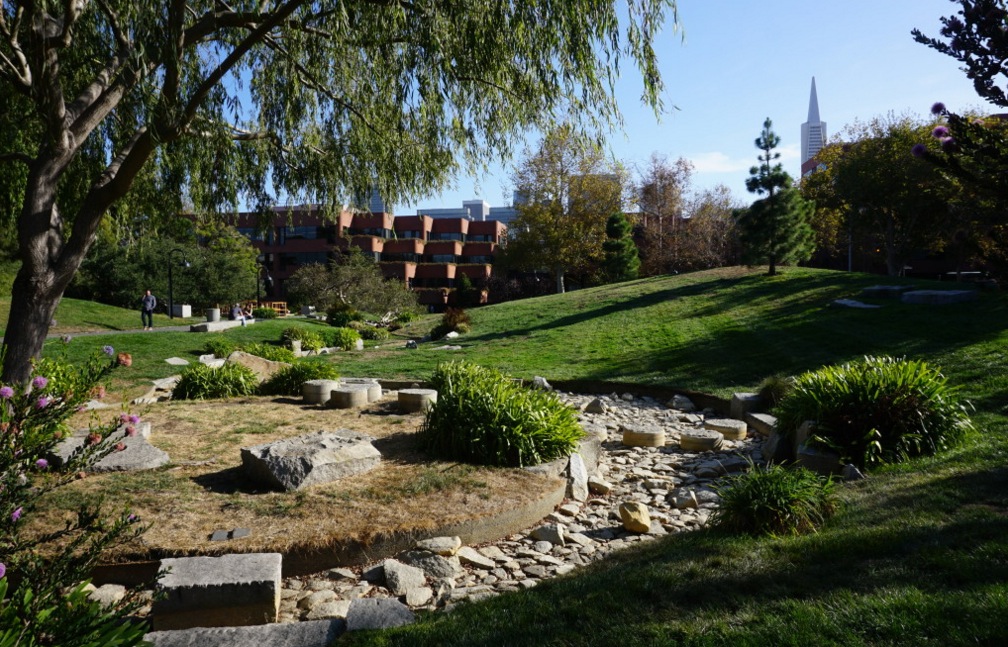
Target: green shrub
point(369, 332)
point(264, 313)
point(345, 338)
point(288, 380)
point(485, 417)
point(439, 331)
point(406, 317)
point(341, 315)
point(774, 500)
point(773, 389)
point(220, 346)
point(201, 382)
point(310, 339)
point(270, 351)
point(877, 410)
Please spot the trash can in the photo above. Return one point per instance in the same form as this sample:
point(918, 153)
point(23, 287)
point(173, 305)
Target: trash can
point(213, 314)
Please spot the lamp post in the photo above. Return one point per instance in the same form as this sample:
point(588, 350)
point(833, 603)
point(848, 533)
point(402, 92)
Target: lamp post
point(171, 296)
point(267, 280)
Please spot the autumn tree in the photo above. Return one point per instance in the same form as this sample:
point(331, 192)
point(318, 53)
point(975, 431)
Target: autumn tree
point(621, 261)
point(127, 108)
point(660, 198)
point(775, 229)
point(710, 237)
point(569, 187)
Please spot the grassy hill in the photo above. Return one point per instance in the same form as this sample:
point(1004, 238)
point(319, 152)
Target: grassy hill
point(918, 555)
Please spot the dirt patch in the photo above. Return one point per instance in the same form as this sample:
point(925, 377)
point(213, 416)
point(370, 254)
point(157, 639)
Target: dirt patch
point(203, 489)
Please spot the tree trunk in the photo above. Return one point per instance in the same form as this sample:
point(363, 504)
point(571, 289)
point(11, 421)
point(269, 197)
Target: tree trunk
point(559, 280)
point(33, 304)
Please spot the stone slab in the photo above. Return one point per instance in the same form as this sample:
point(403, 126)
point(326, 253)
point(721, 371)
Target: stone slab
point(730, 428)
point(762, 423)
point(310, 459)
point(177, 361)
point(316, 633)
point(743, 403)
point(939, 297)
point(137, 453)
point(223, 591)
point(214, 326)
point(885, 291)
point(377, 613)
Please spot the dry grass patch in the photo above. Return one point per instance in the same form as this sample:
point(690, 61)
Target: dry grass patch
point(203, 489)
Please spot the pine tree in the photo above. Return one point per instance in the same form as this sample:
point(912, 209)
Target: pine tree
point(776, 228)
point(621, 260)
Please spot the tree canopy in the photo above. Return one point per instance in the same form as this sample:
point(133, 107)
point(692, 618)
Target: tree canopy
point(569, 188)
point(209, 105)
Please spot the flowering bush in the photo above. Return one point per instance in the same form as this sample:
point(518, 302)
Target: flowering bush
point(42, 599)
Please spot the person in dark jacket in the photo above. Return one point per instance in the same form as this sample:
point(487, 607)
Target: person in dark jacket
point(147, 304)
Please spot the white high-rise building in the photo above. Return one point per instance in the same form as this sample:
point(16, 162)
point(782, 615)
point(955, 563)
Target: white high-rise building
point(813, 134)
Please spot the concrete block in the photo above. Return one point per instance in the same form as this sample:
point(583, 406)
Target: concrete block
point(413, 400)
point(318, 391)
point(377, 613)
point(763, 423)
point(374, 389)
point(730, 428)
point(743, 403)
point(317, 633)
point(349, 396)
point(224, 591)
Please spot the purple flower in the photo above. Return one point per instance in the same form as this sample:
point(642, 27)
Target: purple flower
point(132, 518)
point(937, 108)
point(6, 392)
point(16, 514)
point(940, 132)
point(108, 350)
point(123, 418)
point(3, 570)
point(133, 419)
point(918, 150)
point(40, 382)
point(42, 402)
point(41, 463)
point(949, 145)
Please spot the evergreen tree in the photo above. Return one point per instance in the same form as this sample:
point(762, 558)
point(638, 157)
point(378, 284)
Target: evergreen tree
point(775, 229)
point(621, 262)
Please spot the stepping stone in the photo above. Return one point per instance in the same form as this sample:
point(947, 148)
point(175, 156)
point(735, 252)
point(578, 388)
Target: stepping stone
point(885, 291)
point(312, 633)
point(318, 391)
point(374, 390)
point(700, 440)
point(939, 297)
point(730, 428)
point(642, 436)
point(177, 361)
point(743, 403)
point(350, 396)
point(224, 591)
point(413, 400)
point(763, 423)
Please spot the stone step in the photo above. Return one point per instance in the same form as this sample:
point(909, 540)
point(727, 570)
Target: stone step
point(224, 591)
point(315, 633)
point(762, 423)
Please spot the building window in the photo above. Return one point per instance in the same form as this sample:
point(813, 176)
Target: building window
point(448, 236)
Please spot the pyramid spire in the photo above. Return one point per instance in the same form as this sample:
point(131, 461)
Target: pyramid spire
point(813, 105)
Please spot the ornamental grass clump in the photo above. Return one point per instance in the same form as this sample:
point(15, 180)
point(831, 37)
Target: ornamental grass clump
point(271, 352)
point(290, 379)
point(483, 416)
point(774, 500)
point(202, 382)
point(344, 338)
point(875, 411)
point(310, 339)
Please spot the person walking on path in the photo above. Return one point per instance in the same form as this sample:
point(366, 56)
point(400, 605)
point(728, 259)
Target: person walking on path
point(147, 305)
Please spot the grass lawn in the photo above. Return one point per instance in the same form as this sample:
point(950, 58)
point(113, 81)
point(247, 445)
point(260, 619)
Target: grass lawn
point(918, 554)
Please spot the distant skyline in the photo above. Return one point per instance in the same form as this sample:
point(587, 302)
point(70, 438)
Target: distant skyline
point(743, 62)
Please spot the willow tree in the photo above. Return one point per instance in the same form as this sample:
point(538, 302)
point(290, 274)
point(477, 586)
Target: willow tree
point(142, 109)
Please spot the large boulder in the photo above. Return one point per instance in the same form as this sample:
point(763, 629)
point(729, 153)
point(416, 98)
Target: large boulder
point(322, 457)
point(263, 368)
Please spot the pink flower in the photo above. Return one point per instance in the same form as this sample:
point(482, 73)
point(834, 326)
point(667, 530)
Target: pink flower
point(16, 514)
point(6, 392)
point(131, 431)
point(3, 570)
point(41, 463)
point(40, 382)
point(42, 403)
point(133, 419)
point(120, 447)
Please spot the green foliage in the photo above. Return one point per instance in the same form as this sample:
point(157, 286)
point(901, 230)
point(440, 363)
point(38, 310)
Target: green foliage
point(775, 500)
point(773, 389)
point(42, 596)
point(311, 340)
point(369, 332)
point(453, 320)
point(341, 315)
point(264, 313)
point(201, 382)
point(408, 316)
point(485, 417)
point(877, 410)
point(270, 351)
point(621, 262)
point(345, 338)
point(290, 379)
point(220, 346)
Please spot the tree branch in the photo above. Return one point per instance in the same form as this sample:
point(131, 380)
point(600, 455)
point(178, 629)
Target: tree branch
point(24, 158)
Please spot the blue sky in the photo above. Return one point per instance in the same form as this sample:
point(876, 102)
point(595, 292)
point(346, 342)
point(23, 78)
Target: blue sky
point(742, 62)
